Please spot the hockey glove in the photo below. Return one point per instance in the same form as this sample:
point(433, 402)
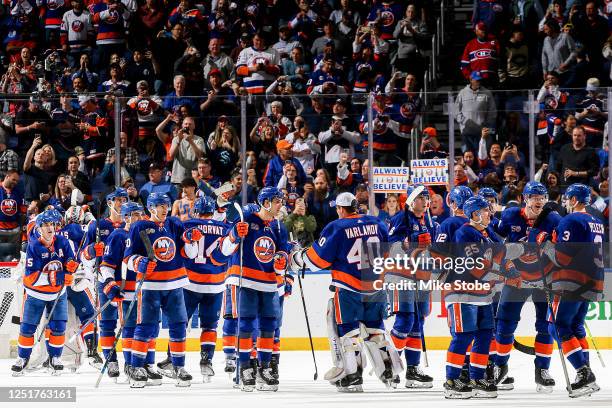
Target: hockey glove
point(288, 285)
point(542, 237)
point(72, 266)
point(145, 266)
point(424, 239)
point(94, 250)
point(239, 231)
point(112, 290)
point(296, 259)
point(192, 235)
point(68, 279)
point(280, 262)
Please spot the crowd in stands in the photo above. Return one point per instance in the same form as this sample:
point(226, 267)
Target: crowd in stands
point(180, 69)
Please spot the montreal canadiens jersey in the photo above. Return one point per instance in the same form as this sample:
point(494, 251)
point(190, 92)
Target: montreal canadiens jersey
point(579, 253)
point(41, 262)
point(112, 265)
point(516, 227)
point(12, 205)
point(470, 243)
point(204, 275)
point(263, 241)
point(166, 240)
point(340, 248)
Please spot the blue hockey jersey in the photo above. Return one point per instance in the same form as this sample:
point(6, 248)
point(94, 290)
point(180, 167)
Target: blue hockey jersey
point(204, 275)
point(166, 240)
point(41, 262)
point(341, 248)
point(261, 244)
point(112, 266)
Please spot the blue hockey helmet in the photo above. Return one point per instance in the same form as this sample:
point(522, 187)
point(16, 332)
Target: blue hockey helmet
point(269, 193)
point(534, 188)
point(474, 204)
point(487, 192)
point(459, 195)
point(580, 191)
point(128, 208)
point(52, 216)
point(119, 192)
point(204, 205)
point(155, 199)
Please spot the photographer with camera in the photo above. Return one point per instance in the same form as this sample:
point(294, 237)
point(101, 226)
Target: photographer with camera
point(337, 140)
point(185, 150)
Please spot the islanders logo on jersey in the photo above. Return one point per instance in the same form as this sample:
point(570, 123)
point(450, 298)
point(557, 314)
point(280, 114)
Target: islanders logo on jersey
point(387, 18)
point(8, 207)
point(164, 249)
point(77, 26)
point(144, 107)
point(264, 249)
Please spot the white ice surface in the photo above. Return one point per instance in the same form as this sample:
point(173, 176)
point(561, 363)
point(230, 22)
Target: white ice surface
point(297, 388)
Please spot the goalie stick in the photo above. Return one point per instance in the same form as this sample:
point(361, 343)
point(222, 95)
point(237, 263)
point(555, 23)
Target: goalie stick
point(300, 275)
point(151, 256)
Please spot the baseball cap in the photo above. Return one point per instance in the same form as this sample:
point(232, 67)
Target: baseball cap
point(83, 99)
point(222, 118)
point(283, 145)
point(35, 99)
point(214, 71)
point(340, 101)
point(346, 199)
point(430, 131)
point(156, 166)
point(79, 151)
point(481, 26)
point(592, 84)
point(475, 75)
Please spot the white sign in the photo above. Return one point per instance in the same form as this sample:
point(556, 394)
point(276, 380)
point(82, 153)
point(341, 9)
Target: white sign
point(391, 179)
point(431, 172)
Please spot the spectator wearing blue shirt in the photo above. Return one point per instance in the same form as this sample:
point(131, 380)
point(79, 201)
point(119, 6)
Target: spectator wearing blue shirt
point(177, 97)
point(274, 170)
point(156, 184)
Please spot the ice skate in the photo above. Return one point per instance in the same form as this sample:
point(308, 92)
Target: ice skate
point(127, 370)
point(483, 389)
point(18, 368)
point(230, 365)
point(274, 365)
point(265, 380)
point(153, 376)
point(206, 368)
point(247, 378)
point(54, 365)
point(457, 389)
point(415, 378)
point(351, 383)
point(93, 358)
point(544, 382)
point(138, 377)
point(183, 378)
point(501, 379)
point(113, 370)
point(165, 368)
point(585, 383)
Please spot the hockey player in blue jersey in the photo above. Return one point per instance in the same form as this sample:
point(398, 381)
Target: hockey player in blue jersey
point(358, 299)
point(206, 280)
point(456, 198)
point(266, 249)
point(491, 196)
point(470, 311)
point(119, 285)
point(411, 228)
point(523, 225)
point(577, 252)
point(164, 279)
point(49, 267)
point(94, 249)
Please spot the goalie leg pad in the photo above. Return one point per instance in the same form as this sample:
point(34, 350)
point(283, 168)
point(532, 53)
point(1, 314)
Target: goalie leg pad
point(383, 355)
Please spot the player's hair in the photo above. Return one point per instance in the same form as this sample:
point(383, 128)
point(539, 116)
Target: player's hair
point(10, 172)
point(554, 193)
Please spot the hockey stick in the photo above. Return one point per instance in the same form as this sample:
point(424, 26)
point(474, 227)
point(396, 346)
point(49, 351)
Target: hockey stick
point(151, 256)
point(601, 360)
point(300, 275)
point(237, 379)
point(91, 319)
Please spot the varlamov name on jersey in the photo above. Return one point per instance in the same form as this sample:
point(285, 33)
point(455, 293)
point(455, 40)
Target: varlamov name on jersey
point(361, 231)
